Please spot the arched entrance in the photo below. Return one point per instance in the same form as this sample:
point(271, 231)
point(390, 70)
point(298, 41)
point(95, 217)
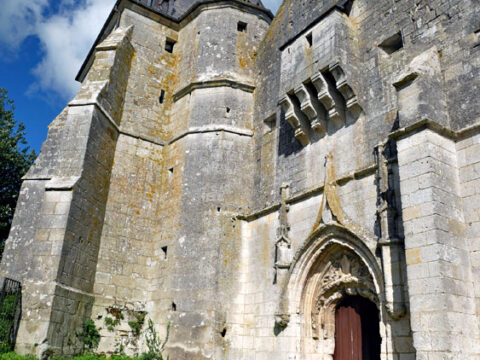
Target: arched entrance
point(330, 272)
point(357, 335)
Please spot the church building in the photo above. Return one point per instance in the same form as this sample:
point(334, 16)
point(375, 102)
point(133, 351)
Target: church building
point(304, 186)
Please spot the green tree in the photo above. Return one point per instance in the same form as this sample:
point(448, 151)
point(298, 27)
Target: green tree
point(15, 159)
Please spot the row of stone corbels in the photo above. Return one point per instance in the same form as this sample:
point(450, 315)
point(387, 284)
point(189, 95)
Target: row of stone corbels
point(331, 102)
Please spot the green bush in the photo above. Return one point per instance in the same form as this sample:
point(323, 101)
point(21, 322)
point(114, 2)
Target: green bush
point(137, 324)
point(15, 356)
point(110, 323)
point(90, 337)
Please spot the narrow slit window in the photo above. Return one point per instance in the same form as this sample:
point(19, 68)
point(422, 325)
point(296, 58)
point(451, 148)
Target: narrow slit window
point(309, 39)
point(242, 26)
point(165, 252)
point(169, 44)
point(161, 98)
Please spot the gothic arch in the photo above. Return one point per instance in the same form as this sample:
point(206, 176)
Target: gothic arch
point(332, 264)
point(338, 273)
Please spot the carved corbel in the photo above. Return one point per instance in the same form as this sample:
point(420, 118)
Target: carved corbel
point(347, 92)
point(311, 108)
point(294, 118)
point(329, 99)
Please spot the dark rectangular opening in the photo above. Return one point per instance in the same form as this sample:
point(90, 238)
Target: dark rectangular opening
point(309, 38)
point(161, 99)
point(345, 6)
point(392, 44)
point(169, 44)
point(165, 252)
point(242, 26)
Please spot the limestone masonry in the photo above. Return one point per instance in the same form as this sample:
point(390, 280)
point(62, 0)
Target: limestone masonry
point(255, 180)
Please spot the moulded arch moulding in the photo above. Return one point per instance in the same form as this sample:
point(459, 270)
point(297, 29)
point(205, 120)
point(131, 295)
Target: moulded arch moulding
point(296, 295)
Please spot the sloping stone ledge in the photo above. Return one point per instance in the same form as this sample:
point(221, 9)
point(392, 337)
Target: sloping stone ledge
point(212, 84)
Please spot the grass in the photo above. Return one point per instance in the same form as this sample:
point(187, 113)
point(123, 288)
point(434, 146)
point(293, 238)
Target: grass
point(8, 308)
point(15, 356)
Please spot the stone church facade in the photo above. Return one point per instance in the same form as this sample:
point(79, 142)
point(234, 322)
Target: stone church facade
point(251, 179)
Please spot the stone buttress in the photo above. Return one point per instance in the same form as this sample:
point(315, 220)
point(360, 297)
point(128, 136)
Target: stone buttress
point(54, 244)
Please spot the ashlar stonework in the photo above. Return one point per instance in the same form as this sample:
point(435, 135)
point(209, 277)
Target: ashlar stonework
point(244, 177)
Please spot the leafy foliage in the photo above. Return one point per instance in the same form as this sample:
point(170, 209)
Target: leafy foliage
point(15, 159)
point(110, 323)
point(154, 344)
point(89, 336)
point(137, 324)
point(14, 356)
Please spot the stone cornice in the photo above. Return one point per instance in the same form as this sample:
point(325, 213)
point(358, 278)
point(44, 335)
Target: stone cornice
point(437, 128)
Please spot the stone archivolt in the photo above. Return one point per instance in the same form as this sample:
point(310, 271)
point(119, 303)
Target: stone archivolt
point(342, 274)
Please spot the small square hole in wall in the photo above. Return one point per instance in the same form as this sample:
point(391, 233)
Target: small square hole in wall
point(241, 26)
point(165, 252)
point(169, 44)
point(309, 38)
point(392, 44)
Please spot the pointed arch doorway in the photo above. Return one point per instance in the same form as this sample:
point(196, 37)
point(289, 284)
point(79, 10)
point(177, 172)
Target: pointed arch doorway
point(357, 335)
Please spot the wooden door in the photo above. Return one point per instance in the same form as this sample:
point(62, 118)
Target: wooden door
point(357, 335)
point(348, 333)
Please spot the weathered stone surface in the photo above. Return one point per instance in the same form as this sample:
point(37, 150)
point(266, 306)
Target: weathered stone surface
point(244, 180)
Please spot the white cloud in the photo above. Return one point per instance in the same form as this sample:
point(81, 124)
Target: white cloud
point(18, 19)
point(66, 33)
point(65, 37)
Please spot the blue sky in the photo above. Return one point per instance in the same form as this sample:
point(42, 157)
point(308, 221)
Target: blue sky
point(43, 44)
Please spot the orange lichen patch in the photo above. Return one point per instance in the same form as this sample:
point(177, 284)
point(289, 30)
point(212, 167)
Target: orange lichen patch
point(245, 56)
point(308, 54)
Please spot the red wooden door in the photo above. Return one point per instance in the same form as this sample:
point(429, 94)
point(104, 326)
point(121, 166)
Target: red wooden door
point(348, 333)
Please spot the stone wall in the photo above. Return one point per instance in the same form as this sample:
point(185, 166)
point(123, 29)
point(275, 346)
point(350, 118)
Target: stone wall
point(440, 283)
